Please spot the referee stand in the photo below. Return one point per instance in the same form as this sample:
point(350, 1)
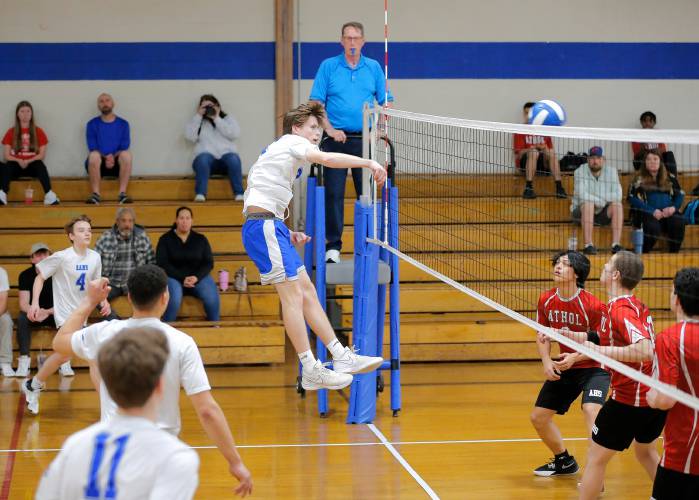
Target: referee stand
point(370, 272)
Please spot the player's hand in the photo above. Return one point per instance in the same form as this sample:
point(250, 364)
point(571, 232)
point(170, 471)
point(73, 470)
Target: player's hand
point(298, 238)
point(378, 172)
point(242, 474)
point(42, 314)
point(550, 371)
point(565, 361)
point(105, 309)
point(337, 135)
point(97, 291)
point(542, 338)
point(33, 312)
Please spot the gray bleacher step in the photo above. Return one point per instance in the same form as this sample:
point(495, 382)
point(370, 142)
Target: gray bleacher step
point(343, 273)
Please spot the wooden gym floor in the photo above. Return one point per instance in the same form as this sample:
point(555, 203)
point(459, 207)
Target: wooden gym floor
point(464, 432)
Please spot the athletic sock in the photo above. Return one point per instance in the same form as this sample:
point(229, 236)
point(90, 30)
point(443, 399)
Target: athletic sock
point(307, 359)
point(336, 349)
point(563, 456)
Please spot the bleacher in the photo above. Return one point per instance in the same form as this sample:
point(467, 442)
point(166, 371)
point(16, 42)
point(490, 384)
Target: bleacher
point(437, 322)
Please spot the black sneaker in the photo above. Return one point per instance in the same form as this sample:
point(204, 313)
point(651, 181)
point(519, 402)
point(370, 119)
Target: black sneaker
point(124, 198)
point(529, 193)
point(616, 248)
point(94, 199)
point(555, 467)
point(560, 192)
point(590, 250)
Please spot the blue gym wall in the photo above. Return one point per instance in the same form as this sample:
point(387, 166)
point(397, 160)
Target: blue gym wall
point(606, 61)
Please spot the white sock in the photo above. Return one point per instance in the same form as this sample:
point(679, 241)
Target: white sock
point(336, 349)
point(307, 359)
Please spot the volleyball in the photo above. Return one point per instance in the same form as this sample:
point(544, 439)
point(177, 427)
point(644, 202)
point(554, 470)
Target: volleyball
point(547, 112)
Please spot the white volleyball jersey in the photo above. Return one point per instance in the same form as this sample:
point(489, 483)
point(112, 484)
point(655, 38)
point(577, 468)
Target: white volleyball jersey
point(183, 368)
point(271, 178)
point(127, 458)
point(71, 273)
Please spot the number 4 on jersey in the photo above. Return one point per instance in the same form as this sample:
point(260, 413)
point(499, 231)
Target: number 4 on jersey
point(81, 282)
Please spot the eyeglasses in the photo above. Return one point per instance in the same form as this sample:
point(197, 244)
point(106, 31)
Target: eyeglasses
point(353, 38)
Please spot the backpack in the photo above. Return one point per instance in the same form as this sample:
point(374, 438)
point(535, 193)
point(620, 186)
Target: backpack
point(571, 161)
point(691, 212)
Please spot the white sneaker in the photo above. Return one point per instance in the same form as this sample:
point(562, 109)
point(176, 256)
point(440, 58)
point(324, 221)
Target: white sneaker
point(65, 370)
point(332, 256)
point(351, 362)
point(31, 396)
point(3, 197)
point(23, 364)
point(239, 197)
point(7, 370)
point(50, 198)
point(200, 197)
point(319, 377)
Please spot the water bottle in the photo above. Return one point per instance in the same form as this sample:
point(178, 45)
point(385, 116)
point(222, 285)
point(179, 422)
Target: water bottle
point(637, 240)
point(223, 280)
point(573, 243)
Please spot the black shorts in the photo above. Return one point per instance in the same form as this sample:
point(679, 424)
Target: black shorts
point(541, 163)
point(600, 219)
point(672, 485)
point(559, 394)
point(107, 172)
point(618, 424)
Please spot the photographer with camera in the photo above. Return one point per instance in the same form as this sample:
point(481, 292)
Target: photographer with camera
point(213, 132)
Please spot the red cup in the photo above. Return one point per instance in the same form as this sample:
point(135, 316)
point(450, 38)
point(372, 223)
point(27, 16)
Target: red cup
point(28, 196)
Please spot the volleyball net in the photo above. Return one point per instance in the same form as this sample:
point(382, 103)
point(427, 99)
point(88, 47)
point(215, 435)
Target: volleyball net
point(472, 220)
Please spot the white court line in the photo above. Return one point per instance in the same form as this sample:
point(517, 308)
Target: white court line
point(330, 445)
point(430, 492)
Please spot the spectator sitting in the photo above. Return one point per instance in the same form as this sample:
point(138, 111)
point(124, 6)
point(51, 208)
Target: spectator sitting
point(648, 120)
point(186, 257)
point(535, 153)
point(38, 252)
point(656, 197)
point(597, 199)
point(213, 131)
point(25, 150)
point(108, 141)
point(123, 247)
point(5, 328)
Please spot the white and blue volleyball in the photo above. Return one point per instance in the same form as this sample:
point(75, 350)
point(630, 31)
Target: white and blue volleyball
point(547, 112)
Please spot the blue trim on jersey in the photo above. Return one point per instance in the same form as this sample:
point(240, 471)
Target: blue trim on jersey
point(268, 244)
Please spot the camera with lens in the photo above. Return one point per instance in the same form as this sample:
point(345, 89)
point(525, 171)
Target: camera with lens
point(209, 111)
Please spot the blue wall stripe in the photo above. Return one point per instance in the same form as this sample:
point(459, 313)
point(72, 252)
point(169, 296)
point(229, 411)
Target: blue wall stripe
point(413, 60)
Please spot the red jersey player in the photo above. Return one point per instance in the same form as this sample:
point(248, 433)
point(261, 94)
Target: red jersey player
point(571, 307)
point(626, 416)
point(677, 363)
point(535, 153)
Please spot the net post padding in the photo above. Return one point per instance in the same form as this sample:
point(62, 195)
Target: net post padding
point(362, 405)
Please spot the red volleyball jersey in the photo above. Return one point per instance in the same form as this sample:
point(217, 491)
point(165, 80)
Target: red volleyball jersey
point(526, 141)
point(629, 321)
point(677, 363)
point(637, 147)
point(580, 313)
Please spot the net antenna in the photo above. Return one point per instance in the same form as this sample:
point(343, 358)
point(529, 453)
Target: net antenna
point(463, 221)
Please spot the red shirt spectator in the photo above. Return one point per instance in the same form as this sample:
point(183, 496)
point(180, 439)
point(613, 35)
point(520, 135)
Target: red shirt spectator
point(25, 152)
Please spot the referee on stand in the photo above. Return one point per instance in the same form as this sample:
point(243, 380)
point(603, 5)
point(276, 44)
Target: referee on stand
point(342, 85)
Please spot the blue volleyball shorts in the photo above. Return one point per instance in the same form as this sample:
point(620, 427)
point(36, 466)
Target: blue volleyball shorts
point(268, 243)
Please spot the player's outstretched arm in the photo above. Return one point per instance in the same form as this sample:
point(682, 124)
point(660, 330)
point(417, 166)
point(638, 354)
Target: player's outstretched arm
point(216, 427)
point(635, 353)
point(659, 401)
point(341, 160)
point(97, 291)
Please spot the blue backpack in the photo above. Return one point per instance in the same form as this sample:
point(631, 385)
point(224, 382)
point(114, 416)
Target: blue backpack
point(691, 212)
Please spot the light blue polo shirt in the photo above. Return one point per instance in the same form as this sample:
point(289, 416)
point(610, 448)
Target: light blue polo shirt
point(344, 90)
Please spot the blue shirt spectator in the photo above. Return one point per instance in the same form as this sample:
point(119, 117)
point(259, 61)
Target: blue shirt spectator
point(108, 137)
point(343, 85)
point(108, 140)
